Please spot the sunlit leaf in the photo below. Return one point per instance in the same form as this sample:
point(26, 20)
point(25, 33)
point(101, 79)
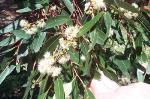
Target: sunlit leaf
point(6, 72)
point(55, 21)
point(69, 5)
point(88, 25)
point(38, 41)
point(21, 34)
point(58, 88)
point(88, 94)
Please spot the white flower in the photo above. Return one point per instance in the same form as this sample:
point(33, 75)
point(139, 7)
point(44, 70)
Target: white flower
point(135, 15)
point(135, 5)
point(43, 66)
point(63, 44)
point(65, 58)
point(24, 23)
point(51, 60)
point(128, 14)
point(50, 70)
point(83, 58)
point(29, 31)
point(71, 32)
point(100, 4)
point(57, 71)
point(53, 7)
point(122, 9)
point(41, 23)
point(118, 48)
point(47, 55)
point(86, 6)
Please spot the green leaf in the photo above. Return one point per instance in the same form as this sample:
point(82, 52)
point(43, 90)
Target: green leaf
point(88, 94)
point(10, 27)
point(88, 25)
point(148, 68)
point(27, 9)
point(108, 21)
point(38, 41)
point(43, 95)
point(123, 65)
point(138, 41)
point(55, 21)
point(29, 84)
point(110, 74)
point(124, 33)
point(21, 34)
point(75, 91)
point(69, 5)
point(5, 41)
point(6, 72)
point(140, 75)
point(50, 44)
point(18, 67)
point(126, 5)
point(97, 36)
point(43, 85)
point(84, 48)
point(74, 56)
point(102, 61)
point(58, 88)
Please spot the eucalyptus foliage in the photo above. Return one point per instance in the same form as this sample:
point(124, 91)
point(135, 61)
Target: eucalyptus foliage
point(107, 40)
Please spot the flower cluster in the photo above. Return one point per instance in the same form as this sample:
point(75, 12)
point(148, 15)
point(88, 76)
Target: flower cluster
point(130, 14)
point(47, 65)
point(32, 28)
point(69, 38)
point(93, 5)
point(117, 48)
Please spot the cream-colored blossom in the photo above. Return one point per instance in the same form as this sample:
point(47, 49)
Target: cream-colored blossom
point(100, 4)
point(63, 59)
point(118, 48)
point(41, 23)
point(43, 66)
point(57, 71)
point(128, 14)
point(47, 55)
point(93, 5)
point(135, 5)
point(83, 58)
point(31, 30)
point(86, 6)
point(24, 23)
point(53, 7)
point(63, 43)
point(71, 32)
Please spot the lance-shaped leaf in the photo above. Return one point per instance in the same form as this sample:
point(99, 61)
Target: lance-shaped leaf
point(55, 21)
point(6, 72)
point(88, 94)
point(123, 65)
point(88, 25)
point(58, 88)
point(21, 34)
point(69, 5)
point(38, 41)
